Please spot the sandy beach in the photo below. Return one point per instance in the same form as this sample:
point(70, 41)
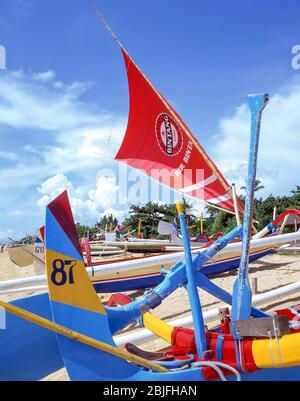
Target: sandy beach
point(273, 271)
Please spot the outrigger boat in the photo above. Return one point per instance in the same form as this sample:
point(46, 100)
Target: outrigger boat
point(165, 144)
point(29, 254)
point(247, 340)
point(144, 272)
point(21, 255)
point(139, 273)
point(78, 313)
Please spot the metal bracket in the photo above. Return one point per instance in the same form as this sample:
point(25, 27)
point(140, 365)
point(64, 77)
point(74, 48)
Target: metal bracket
point(152, 299)
point(225, 320)
point(223, 314)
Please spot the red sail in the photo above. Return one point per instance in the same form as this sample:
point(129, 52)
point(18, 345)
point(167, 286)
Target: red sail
point(159, 143)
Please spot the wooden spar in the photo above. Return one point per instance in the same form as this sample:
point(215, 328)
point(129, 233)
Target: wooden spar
point(236, 209)
point(217, 207)
point(75, 336)
point(216, 172)
point(100, 16)
point(283, 224)
point(139, 228)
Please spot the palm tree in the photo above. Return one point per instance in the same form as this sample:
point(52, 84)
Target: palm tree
point(296, 191)
point(257, 186)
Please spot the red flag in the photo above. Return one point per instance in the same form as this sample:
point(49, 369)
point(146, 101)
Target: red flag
point(159, 143)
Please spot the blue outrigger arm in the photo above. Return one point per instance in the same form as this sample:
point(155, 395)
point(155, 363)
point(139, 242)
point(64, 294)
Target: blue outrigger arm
point(242, 296)
point(191, 286)
point(121, 316)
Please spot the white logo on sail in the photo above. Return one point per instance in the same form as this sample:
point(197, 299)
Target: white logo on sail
point(168, 135)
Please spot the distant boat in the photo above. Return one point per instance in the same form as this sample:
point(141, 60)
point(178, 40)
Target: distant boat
point(21, 255)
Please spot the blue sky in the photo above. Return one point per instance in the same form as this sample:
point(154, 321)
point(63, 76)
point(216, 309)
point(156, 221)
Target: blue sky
point(64, 92)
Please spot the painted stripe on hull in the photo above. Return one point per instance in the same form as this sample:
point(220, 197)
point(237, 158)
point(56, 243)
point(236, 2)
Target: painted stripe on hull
point(143, 281)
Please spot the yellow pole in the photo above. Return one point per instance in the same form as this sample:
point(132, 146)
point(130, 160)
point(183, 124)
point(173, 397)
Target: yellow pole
point(201, 222)
point(158, 327)
point(62, 330)
point(139, 228)
point(110, 227)
point(179, 206)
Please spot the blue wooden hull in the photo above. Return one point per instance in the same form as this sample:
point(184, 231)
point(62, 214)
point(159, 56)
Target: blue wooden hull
point(143, 281)
point(30, 352)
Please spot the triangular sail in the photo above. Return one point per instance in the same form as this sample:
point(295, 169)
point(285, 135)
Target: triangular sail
point(160, 144)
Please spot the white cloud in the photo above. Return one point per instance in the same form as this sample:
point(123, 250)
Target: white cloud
point(74, 138)
point(8, 156)
point(105, 193)
point(16, 213)
point(84, 148)
point(44, 76)
point(82, 139)
point(55, 185)
point(87, 208)
point(36, 101)
point(119, 214)
point(278, 158)
point(6, 234)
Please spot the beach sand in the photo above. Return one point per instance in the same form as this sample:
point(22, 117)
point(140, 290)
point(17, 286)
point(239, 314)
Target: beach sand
point(272, 271)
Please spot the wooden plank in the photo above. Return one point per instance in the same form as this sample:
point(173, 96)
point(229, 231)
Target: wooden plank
point(263, 327)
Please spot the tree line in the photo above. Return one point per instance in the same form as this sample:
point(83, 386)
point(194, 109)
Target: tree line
point(150, 214)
